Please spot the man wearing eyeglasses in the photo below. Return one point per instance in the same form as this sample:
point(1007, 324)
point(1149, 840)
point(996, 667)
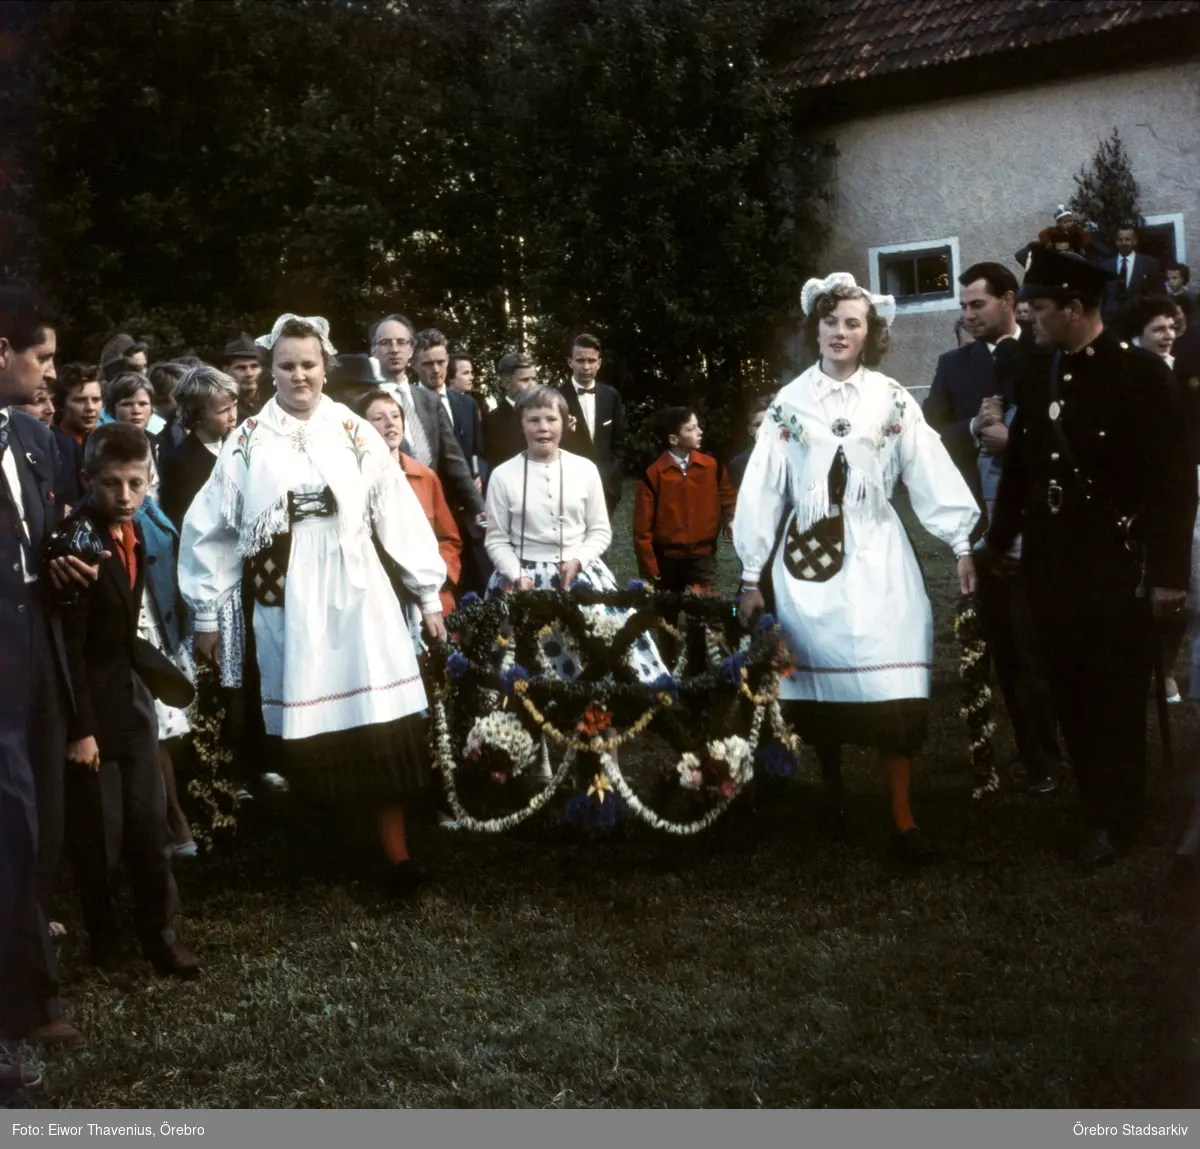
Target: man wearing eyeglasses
point(428, 431)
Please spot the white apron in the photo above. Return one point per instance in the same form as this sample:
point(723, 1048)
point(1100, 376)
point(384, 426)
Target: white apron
point(337, 654)
point(866, 634)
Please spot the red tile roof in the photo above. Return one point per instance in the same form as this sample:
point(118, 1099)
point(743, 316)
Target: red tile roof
point(864, 38)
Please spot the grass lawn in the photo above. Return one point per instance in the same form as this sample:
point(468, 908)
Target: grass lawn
point(759, 964)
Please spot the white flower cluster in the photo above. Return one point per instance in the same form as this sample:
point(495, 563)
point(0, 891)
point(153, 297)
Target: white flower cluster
point(688, 769)
point(603, 624)
point(734, 752)
point(502, 731)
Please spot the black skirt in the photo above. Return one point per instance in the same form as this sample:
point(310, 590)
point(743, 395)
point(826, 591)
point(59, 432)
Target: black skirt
point(383, 762)
point(897, 725)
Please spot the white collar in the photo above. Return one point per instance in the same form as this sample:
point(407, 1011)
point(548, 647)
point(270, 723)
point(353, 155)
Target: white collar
point(823, 385)
point(1014, 334)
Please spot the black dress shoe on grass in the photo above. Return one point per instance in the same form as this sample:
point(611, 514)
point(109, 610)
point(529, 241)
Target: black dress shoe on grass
point(914, 847)
point(1097, 851)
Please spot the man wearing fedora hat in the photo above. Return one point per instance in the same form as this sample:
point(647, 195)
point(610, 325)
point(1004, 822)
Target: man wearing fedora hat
point(241, 363)
point(1099, 481)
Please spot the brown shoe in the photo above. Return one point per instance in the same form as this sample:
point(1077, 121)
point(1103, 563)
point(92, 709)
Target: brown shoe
point(177, 960)
point(17, 1077)
point(59, 1033)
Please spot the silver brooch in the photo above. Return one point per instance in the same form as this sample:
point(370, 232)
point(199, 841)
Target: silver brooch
point(841, 428)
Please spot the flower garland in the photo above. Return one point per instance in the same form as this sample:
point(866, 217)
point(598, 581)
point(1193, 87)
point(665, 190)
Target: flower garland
point(511, 628)
point(977, 705)
point(211, 786)
point(685, 829)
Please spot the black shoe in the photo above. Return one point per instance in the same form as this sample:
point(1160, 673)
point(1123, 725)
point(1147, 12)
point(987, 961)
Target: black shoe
point(1040, 786)
point(1097, 851)
point(404, 879)
point(914, 847)
point(1185, 872)
point(833, 816)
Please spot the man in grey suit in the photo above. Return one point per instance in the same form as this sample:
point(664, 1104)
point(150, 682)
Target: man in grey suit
point(428, 432)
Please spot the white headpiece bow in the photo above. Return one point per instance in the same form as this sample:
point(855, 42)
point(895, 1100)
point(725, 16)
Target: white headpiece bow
point(317, 324)
point(885, 305)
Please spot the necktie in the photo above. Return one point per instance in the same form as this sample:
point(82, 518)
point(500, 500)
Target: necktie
point(414, 432)
point(1124, 271)
point(126, 541)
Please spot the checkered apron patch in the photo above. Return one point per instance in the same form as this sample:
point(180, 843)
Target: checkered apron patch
point(817, 554)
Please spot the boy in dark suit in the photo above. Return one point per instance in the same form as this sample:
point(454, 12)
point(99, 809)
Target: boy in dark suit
point(683, 502)
point(116, 804)
point(502, 434)
point(598, 430)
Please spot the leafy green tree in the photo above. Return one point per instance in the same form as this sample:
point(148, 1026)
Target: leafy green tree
point(514, 171)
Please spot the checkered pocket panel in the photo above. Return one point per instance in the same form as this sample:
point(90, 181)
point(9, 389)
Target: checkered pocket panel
point(268, 571)
point(818, 553)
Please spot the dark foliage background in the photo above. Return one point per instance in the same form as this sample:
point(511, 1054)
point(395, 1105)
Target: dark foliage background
point(512, 170)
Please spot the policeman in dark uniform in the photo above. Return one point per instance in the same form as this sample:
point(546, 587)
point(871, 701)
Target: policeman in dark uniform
point(1099, 479)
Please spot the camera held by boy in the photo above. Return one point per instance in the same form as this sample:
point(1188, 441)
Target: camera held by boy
point(684, 501)
point(115, 797)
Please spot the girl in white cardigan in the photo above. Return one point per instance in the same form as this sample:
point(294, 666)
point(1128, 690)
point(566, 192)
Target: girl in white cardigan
point(548, 526)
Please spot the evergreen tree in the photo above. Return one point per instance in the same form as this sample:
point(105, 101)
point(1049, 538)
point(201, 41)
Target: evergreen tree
point(1106, 194)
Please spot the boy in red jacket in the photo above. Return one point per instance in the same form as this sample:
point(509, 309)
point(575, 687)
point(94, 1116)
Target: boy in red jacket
point(683, 502)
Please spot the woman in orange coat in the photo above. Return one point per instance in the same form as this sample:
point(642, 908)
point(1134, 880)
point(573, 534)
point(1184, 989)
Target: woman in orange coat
point(387, 417)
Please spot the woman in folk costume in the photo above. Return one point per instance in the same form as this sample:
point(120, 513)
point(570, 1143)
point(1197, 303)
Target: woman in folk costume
point(295, 504)
point(848, 591)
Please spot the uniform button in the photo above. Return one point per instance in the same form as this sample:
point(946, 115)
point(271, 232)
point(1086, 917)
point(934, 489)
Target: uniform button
point(1090, 351)
point(16, 566)
point(1066, 378)
point(1102, 433)
point(20, 608)
point(1054, 456)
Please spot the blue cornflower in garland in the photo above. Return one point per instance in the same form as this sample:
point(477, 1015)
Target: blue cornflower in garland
point(512, 676)
point(636, 586)
point(457, 664)
point(665, 684)
point(597, 811)
point(766, 621)
point(468, 599)
point(775, 760)
point(731, 668)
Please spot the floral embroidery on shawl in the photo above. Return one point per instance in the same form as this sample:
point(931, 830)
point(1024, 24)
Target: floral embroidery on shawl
point(357, 446)
point(244, 444)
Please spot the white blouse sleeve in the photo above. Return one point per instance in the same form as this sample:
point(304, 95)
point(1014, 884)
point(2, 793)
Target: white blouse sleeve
point(762, 501)
point(940, 496)
point(500, 528)
point(597, 528)
point(210, 568)
point(404, 531)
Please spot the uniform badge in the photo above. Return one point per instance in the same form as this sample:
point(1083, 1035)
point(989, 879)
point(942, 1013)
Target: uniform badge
point(1055, 410)
point(841, 427)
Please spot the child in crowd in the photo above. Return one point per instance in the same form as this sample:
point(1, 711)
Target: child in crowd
point(755, 414)
point(683, 502)
point(114, 788)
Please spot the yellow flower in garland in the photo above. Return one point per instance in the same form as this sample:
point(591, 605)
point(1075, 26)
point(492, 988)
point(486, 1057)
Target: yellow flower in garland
point(600, 786)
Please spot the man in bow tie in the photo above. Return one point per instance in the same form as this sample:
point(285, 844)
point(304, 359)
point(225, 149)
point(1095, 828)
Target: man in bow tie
point(598, 432)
